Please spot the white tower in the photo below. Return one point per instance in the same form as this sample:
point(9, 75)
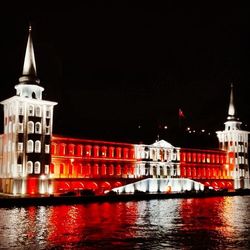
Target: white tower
point(235, 142)
point(27, 133)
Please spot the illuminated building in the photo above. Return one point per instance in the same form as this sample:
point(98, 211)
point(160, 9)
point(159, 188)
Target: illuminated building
point(210, 167)
point(27, 133)
point(79, 164)
point(33, 161)
point(235, 141)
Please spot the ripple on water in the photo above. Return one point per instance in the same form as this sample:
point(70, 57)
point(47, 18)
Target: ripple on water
point(207, 223)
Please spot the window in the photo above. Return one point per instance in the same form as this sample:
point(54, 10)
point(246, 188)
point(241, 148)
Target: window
point(31, 110)
point(62, 148)
point(47, 113)
point(20, 110)
point(30, 127)
point(52, 168)
point(118, 152)
point(38, 128)
point(61, 168)
point(20, 147)
point(37, 167)
point(47, 130)
point(103, 151)
point(239, 160)
point(20, 128)
point(46, 169)
point(29, 167)
point(47, 149)
point(30, 146)
point(71, 149)
point(79, 150)
point(70, 169)
point(53, 149)
point(38, 111)
point(37, 147)
point(19, 168)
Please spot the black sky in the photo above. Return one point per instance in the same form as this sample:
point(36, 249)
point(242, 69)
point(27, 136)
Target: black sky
point(112, 66)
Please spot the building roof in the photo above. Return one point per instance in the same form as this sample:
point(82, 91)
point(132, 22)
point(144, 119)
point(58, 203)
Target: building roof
point(29, 74)
point(162, 143)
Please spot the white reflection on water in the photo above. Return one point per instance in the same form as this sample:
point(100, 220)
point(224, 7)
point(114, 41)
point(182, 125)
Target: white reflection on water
point(210, 223)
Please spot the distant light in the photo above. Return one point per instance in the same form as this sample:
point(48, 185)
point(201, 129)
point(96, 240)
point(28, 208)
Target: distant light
point(139, 126)
point(193, 131)
point(203, 130)
point(165, 127)
point(188, 128)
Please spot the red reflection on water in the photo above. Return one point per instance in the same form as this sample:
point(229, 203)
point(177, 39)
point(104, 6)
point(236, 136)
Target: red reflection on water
point(87, 223)
point(31, 214)
point(208, 214)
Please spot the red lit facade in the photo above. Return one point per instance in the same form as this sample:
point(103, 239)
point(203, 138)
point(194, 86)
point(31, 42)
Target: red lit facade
point(210, 167)
point(78, 164)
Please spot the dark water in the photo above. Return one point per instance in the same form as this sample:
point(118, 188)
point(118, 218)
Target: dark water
point(206, 223)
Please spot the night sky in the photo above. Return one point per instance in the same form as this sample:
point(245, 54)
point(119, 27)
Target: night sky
point(121, 71)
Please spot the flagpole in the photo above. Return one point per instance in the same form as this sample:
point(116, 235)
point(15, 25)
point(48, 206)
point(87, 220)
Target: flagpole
point(180, 117)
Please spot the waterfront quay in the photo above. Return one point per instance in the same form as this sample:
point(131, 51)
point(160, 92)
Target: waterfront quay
point(19, 201)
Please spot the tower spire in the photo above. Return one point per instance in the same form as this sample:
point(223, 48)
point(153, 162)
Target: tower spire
point(231, 108)
point(29, 74)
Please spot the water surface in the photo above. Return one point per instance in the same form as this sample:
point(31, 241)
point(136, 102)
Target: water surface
point(200, 223)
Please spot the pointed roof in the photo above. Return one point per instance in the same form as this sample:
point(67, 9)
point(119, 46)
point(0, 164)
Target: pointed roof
point(231, 108)
point(29, 67)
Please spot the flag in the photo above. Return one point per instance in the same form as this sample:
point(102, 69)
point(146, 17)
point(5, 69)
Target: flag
point(181, 114)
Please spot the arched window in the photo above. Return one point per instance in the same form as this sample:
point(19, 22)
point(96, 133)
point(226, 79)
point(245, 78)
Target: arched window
point(71, 149)
point(38, 111)
point(62, 148)
point(30, 127)
point(37, 146)
point(30, 146)
point(38, 128)
point(37, 167)
point(79, 150)
point(29, 167)
point(31, 110)
point(53, 148)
